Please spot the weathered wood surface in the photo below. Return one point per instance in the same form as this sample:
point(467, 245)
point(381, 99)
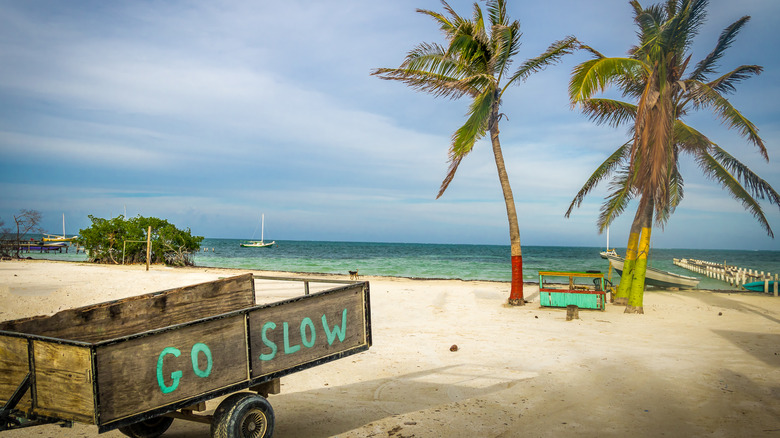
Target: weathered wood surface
point(168, 363)
point(14, 365)
point(141, 313)
point(145, 373)
point(286, 336)
point(63, 381)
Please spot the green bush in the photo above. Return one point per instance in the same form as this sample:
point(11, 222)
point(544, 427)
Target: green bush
point(118, 240)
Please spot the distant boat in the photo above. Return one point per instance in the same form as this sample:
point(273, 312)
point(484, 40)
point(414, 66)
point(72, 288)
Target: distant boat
point(259, 243)
point(657, 277)
point(56, 238)
point(608, 252)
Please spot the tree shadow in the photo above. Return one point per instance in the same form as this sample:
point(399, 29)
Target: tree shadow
point(330, 411)
point(719, 299)
point(763, 346)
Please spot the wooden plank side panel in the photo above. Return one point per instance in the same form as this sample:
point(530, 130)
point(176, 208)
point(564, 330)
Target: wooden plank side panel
point(300, 332)
point(146, 373)
point(141, 313)
point(588, 300)
point(14, 366)
point(63, 381)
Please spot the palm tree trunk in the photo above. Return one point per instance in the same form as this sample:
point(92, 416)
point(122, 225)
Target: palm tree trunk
point(516, 293)
point(621, 296)
point(636, 294)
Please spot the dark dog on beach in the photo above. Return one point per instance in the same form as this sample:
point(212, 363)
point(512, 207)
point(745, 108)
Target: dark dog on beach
point(353, 275)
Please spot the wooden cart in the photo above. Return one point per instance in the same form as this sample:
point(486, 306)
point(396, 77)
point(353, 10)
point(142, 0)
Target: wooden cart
point(136, 363)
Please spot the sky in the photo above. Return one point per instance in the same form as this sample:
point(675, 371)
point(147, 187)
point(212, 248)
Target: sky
point(211, 113)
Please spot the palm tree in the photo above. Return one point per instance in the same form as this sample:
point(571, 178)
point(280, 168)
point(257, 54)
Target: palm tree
point(476, 62)
point(647, 166)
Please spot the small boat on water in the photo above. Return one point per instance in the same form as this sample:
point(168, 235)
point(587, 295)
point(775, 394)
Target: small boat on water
point(62, 238)
point(608, 252)
point(259, 243)
point(657, 277)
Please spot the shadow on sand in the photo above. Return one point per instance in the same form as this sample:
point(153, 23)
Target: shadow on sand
point(329, 411)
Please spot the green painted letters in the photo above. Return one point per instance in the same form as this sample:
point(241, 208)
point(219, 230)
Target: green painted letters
point(307, 322)
point(197, 348)
point(287, 348)
point(268, 326)
point(175, 376)
point(308, 331)
point(340, 331)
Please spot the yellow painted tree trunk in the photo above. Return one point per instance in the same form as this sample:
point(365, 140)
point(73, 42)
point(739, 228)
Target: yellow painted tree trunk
point(621, 295)
point(637, 291)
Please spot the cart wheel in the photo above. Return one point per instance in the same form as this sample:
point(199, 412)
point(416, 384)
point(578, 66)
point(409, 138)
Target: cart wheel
point(243, 415)
point(151, 428)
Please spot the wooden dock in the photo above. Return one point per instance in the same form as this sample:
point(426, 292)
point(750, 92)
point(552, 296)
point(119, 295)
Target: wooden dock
point(27, 247)
point(732, 275)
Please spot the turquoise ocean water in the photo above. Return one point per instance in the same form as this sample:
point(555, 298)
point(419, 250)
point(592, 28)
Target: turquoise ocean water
point(466, 262)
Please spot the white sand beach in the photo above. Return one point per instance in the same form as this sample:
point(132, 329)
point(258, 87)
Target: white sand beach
point(697, 363)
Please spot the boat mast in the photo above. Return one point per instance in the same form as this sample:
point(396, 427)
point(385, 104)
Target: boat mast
point(262, 227)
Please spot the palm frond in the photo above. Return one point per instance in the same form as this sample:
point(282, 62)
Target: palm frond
point(427, 68)
point(680, 29)
point(590, 49)
point(609, 111)
point(676, 193)
point(595, 75)
point(466, 136)
point(604, 170)
point(615, 203)
point(453, 167)
point(552, 55)
point(730, 116)
point(448, 26)
point(690, 140)
point(727, 82)
point(632, 84)
point(479, 29)
point(649, 22)
point(713, 170)
point(470, 52)
point(497, 12)
point(708, 65)
point(506, 41)
point(757, 186)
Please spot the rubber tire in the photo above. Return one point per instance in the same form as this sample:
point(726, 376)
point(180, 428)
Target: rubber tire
point(151, 428)
point(237, 413)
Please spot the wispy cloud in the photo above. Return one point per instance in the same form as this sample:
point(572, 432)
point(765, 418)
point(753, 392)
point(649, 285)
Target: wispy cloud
point(207, 113)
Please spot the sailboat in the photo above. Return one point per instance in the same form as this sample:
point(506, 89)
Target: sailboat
point(259, 243)
point(56, 238)
point(608, 252)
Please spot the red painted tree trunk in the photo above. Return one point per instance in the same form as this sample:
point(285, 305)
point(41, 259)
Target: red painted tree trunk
point(516, 293)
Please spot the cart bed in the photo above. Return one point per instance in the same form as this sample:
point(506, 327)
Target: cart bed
point(116, 363)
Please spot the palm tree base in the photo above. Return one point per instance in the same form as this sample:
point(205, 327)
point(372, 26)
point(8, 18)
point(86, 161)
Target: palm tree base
point(516, 302)
point(620, 301)
point(635, 309)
